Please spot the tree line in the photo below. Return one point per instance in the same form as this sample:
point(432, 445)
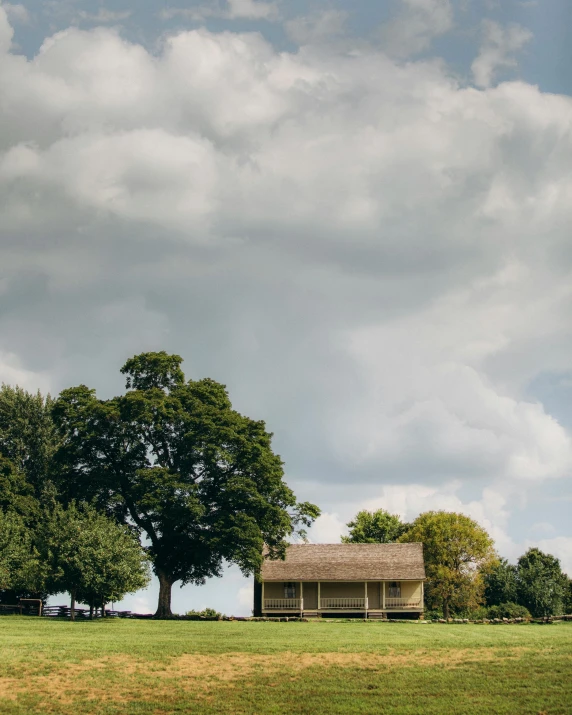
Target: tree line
point(465, 575)
point(167, 476)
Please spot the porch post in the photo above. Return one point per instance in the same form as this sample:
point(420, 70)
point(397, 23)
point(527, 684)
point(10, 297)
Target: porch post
point(301, 599)
point(383, 595)
point(319, 597)
point(262, 609)
point(422, 595)
point(365, 603)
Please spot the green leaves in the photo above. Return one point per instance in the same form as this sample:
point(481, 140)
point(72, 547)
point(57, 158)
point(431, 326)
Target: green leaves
point(456, 551)
point(88, 554)
point(541, 585)
point(377, 527)
point(18, 559)
point(174, 459)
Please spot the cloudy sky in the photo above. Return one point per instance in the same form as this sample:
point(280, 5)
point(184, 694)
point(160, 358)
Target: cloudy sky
point(358, 216)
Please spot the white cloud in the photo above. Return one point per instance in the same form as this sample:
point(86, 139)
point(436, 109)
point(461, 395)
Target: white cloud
point(559, 546)
point(319, 27)
point(12, 372)
point(327, 529)
point(245, 596)
point(229, 10)
point(416, 25)
point(104, 16)
point(17, 13)
point(500, 44)
point(6, 31)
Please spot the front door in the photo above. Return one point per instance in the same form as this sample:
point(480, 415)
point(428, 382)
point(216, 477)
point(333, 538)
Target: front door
point(310, 596)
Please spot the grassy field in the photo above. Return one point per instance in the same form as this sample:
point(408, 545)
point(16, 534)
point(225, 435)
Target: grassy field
point(118, 666)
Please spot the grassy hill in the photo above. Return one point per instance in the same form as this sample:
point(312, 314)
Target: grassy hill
point(117, 666)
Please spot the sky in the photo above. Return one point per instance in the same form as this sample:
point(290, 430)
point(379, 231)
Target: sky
point(358, 217)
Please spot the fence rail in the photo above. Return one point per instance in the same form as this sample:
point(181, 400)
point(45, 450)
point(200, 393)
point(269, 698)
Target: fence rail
point(402, 603)
point(360, 603)
point(283, 603)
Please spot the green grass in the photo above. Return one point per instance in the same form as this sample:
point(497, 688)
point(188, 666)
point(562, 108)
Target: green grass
point(123, 667)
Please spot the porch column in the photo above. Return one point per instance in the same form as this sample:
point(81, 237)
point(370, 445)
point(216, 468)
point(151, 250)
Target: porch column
point(262, 608)
point(422, 595)
point(301, 599)
point(365, 597)
point(319, 597)
point(383, 595)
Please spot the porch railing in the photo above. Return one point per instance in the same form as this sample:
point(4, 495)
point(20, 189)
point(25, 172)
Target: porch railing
point(360, 603)
point(296, 604)
point(402, 603)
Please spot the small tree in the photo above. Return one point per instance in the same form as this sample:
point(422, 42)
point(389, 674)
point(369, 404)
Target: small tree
point(500, 583)
point(377, 527)
point(568, 599)
point(456, 549)
point(541, 585)
point(18, 559)
point(87, 554)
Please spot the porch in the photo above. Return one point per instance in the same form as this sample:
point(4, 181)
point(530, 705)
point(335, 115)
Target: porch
point(324, 597)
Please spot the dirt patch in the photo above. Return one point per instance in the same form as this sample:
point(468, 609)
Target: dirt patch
point(125, 678)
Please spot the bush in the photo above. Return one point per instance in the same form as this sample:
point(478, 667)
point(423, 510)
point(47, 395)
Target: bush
point(508, 610)
point(206, 613)
point(433, 615)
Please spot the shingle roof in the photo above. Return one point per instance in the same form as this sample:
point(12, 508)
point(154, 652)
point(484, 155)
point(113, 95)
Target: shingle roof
point(347, 562)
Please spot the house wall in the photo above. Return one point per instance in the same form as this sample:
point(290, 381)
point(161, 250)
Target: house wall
point(275, 589)
point(410, 589)
point(342, 589)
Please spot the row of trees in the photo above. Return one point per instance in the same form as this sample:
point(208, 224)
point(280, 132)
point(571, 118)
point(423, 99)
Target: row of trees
point(463, 569)
point(169, 465)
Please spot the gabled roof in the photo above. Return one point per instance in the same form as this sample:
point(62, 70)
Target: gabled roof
point(347, 562)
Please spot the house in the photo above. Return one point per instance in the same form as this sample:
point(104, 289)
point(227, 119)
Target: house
point(377, 580)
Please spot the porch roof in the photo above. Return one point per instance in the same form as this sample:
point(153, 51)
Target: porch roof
point(347, 562)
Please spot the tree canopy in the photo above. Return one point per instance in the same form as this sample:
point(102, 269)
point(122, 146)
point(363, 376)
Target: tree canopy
point(455, 550)
point(18, 558)
point(500, 583)
point(172, 457)
point(374, 527)
point(28, 437)
point(541, 585)
point(89, 555)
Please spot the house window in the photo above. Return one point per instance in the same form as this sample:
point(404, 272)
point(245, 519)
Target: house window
point(394, 589)
point(289, 590)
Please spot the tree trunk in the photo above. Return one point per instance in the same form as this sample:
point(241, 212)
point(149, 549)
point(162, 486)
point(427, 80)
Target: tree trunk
point(91, 611)
point(445, 609)
point(103, 610)
point(164, 604)
point(72, 605)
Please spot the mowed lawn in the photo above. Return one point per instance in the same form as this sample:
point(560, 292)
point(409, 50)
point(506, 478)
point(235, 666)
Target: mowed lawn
point(120, 666)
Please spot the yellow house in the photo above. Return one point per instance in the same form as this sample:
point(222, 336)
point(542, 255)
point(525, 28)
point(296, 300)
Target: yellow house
point(369, 580)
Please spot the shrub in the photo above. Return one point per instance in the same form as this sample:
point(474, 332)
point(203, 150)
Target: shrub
point(433, 615)
point(206, 613)
point(508, 610)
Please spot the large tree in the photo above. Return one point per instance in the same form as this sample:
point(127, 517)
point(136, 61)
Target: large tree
point(541, 585)
point(172, 457)
point(456, 551)
point(374, 527)
point(89, 555)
